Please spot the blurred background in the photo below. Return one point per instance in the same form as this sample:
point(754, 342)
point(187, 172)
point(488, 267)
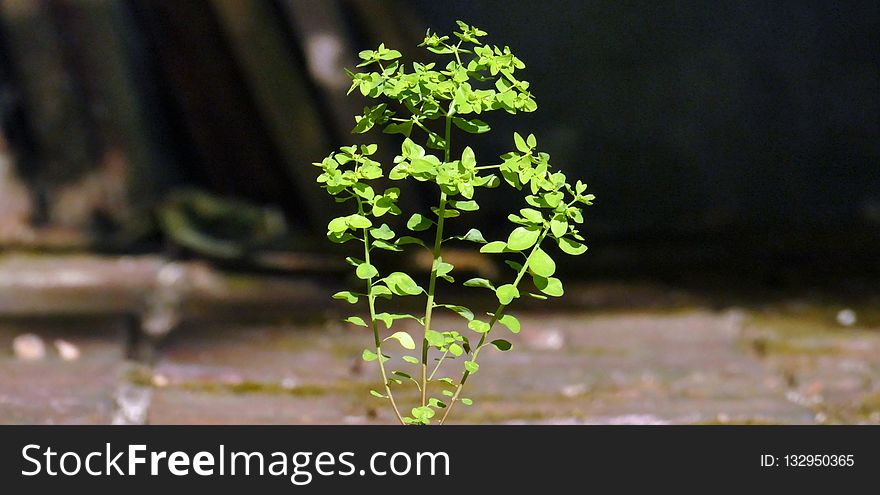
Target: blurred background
point(163, 253)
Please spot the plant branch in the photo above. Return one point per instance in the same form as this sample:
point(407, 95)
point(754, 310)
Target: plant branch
point(435, 253)
point(371, 301)
point(495, 317)
point(439, 362)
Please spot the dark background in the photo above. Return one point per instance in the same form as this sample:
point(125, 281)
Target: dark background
point(736, 138)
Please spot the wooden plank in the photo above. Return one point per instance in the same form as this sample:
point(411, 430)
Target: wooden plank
point(53, 107)
point(281, 93)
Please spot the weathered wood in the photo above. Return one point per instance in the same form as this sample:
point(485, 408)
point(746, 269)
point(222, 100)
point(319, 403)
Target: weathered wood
point(99, 48)
point(328, 48)
point(54, 110)
point(232, 152)
point(281, 94)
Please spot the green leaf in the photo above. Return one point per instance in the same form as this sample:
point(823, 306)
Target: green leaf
point(520, 143)
point(340, 238)
point(473, 235)
point(402, 284)
point(366, 270)
point(559, 225)
point(470, 205)
point(404, 128)
point(364, 191)
point(358, 221)
point(455, 350)
point(506, 293)
point(466, 401)
point(380, 244)
point(447, 212)
point(410, 149)
point(355, 320)
point(479, 326)
point(522, 238)
point(418, 223)
point(435, 338)
point(510, 322)
point(442, 268)
point(422, 413)
point(348, 296)
point(369, 355)
point(390, 318)
point(404, 240)
point(462, 311)
point(501, 345)
point(380, 291)
point(466, 189)
point(541, 263)
point(383, 232)
point(389, 55)
point(468, 160)
point(494, 247)
point(410, 359)
point(571, 247)
point(473, 126)
point(531, 141)
point(479, 282)
point(337, 225)
point(405, 339)
point(551, 286)
point(377, 394)
point(471, 367)
point(436, 403)
point(532, 215)
point(553, 199)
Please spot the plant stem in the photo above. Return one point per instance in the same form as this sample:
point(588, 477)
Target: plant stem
point(439, 362)
point(435, 253)
point(432, 285)
point(495, 317)
point(371, 301)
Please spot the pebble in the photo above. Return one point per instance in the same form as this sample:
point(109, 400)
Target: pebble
point(160, 380)
point(29, 347)
point(574, 390)
point(67, 350)
point(846, 317)
point(549, 340)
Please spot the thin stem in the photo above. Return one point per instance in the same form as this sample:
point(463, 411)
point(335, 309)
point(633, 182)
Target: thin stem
point(439, 362)
point(371, 300)
point(432, 285)
point(435, 253)
point(495, 317)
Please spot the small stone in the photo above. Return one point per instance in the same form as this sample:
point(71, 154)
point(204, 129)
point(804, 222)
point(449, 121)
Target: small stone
point(549, 340)
point(160, 380)
point(846, 317)
point(67, 350)
point(574, 390)
point(29, 347)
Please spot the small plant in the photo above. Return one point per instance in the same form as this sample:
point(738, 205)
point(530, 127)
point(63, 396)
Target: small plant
point(478, 78)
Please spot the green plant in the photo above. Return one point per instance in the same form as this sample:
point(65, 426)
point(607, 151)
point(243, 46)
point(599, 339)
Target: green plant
point(478, 78)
